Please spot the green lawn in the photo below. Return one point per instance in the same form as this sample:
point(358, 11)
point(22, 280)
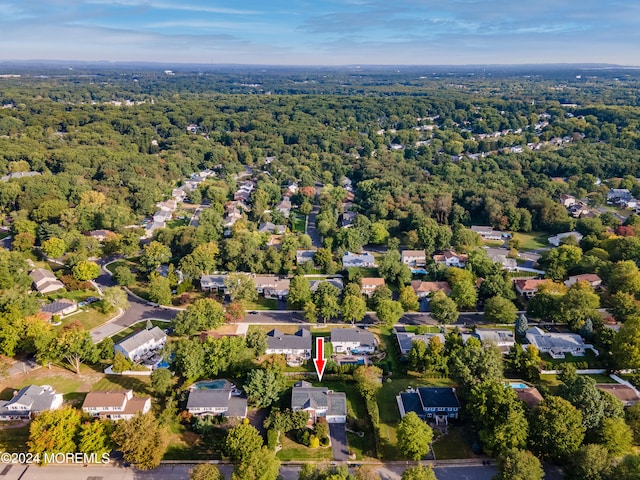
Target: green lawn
point(451, 446)
point(532, 240)
point(14, 440)
point(588, 357)
point(292, 450)
point(261, 304)
point(136, 327)
point(120, 263)
point(89, 317)
point(297, 223)
point(178, 222)
point(388, 343)
point(139, 384)
point(60, 383)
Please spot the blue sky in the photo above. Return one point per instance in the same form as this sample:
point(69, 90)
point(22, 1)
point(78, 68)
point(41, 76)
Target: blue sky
point(325, 32)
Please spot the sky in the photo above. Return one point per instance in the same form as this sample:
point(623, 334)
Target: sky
point(323, 32)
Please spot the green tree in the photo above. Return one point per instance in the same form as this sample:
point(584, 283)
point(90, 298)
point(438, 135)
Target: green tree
point(414, 437)
point(154, 255)
point(581, 391)
point(203, 314)
point(354, 308)
point(241, 287)
point(121, 363)
point(201, 261)
point(161, 381)
point(159, 289)
point(85, 270)
point(500, 310)
point(141, 440)
point(23, 242)
point(123, 276)
point(624, 306)
point(54, 247)
point(626, 345)
point(326, 300)
point(95, 437)
point(519, 465)
point(264, 387)
point(579, 304)
point(205, 471)
point(522, 325)
point(389, 312)
point(261, 464)
point(393, 270)
point(443, 309)
point(419, 472)
point(74, 345)
point(242, 441)
point(54, 431)
point(257, 341)
point(555, 430)
point(465, 295)
point(408, 299)
point(115, 298)
point(299, 292)
point(633, 420)
point(616, 436)
point(368, 380)
point(310, 312)
point(590, 462)
point(628, 468)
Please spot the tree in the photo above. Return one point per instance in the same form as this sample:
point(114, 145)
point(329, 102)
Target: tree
point(555, 430)
point(393, 270)
point(310, 312)
point(616, 436)
point(23, 242)
point(590, 462)
point(141, 440)
point(121, 363)
point(260, 464)
point(414, 437)
point(241, 287)
point(115, 297)
point(54, 431)
point(54, 247)
point(408, 299)
point(443, 309)
point(205, 471)
point(581, 391)
point(326, 301)
point(633, 420)
point(381, 293)
point(264, 387)
point(154, 255)
point(159, 289)
point(419, 472)
point(368, 380)
point(519, 465)
point(628, 468)
point(123, 276)
point(74, 345)
point(85, 270)
point(465, 295)
point(242, 441)
point(299, 292)
point(201, 261)
point(623, 306)
point(579, 304)
point(203, 314)
point(522, 325)
point(500, 310)
point(161, 381)
point(234, 312)
point(257, 341)
point(354, 308)
point(472, 363)
point(389, 312)
point(95, 437)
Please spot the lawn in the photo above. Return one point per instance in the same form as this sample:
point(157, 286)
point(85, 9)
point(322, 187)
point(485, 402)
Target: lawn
point(178, 222)
point(589, 357)
point(292, 450)
point(121, 263)
point(139, 384)
point(89, 317)
point(137, 327)
point(451, 446)
point(532, 240)
point(384, 335)
point(261, 304)
point(297, 223)
point(14, 440)
point(60, 383)
point(551, 382)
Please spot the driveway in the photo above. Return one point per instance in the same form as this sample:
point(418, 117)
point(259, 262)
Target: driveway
point(338, 434)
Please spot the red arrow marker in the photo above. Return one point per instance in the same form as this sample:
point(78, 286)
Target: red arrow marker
point(319, 361)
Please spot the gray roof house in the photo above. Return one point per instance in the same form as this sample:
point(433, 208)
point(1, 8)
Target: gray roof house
point(44, 281)
point(303, 256)
point(30, 401)
point(298, 344)
point(59, 307)
point(223, 401)
point(269, 227)
point(364, 259)
point(406, 339)
point(141, 344)
point(352, 340)
point(440, 404)
point(319, 402)
point(212, 282)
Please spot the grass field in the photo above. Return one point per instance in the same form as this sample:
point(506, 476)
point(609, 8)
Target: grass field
point(532, 240)
point(136, 327)
point(452, 446)
point(14, 440)
point(297, 223)
point(292, 450)
point(89, 317)
point(139, 384)
point(261, 304)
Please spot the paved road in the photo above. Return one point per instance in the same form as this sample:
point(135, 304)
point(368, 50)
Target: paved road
point(338, 433)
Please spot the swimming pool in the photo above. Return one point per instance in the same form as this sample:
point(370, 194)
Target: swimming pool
point(518, 385)
point(219, 384)
point(359, 361)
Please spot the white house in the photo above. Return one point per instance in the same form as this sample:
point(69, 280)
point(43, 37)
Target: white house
point(319, 402)
point(60, 307)
point(487, 233)
point(30, 401)
point(212, 282)
point(364, 259)
point(303, 256)
point(555, 240)
point(369, 285)
point(557, 344)
point(141, 344)
point(503, 339)
point(451, 259)
point(115, 405)
point(272, 286)
point(352, 340)
point(298, 344)
point(414, 258)
point(406, 339)
point(591, 278)
point(44, 281)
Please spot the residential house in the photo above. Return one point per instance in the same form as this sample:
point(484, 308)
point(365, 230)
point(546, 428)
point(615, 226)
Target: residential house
point(591, 278)
point(621, 197)
point(268, 227)
point(451, 259)
point(60, 307)
point(162, 216)
point(272, 286)
point(628, 395)
point(507, 263)
point(352, 340)
point(406, 339)
point(284, 207)
point(319, 402)
point(487, 233)
point(18, 175)
point(44, 281)
point(29, 401)
point(503, 339)
point(179, 194)
point(370, 284)
point(219, 401)
point(167, 205)
point(424, 289)
point(364, 259)
point(348, 218)
point(100, 235)
point(529, 395)
point(303, 256)
point(414, 258)
point(299, 344)
point(556, 239)
point(567, 200)
point(115, 404)
point(557, 344)
point(212, 282)
point(141, 344)
point(336, 282)
point(528, 287)
point(440, 404)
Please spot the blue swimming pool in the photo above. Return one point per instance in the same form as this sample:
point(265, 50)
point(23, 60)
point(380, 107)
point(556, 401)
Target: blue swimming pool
point(359, 361)
point(212, 385)
point(518, 385)
point(419, 271)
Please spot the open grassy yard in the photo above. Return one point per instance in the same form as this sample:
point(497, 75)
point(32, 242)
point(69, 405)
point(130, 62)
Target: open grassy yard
point(89, 317)
point(261, 304)
point(14, 440)
point(297, 223)
point(292, 450)
point(532, 240)
point(452, 445)
point(592, 360)
point(137, 327)
point(139, 384)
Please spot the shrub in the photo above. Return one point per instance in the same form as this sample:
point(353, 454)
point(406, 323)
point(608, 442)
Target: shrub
point(272, 439)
